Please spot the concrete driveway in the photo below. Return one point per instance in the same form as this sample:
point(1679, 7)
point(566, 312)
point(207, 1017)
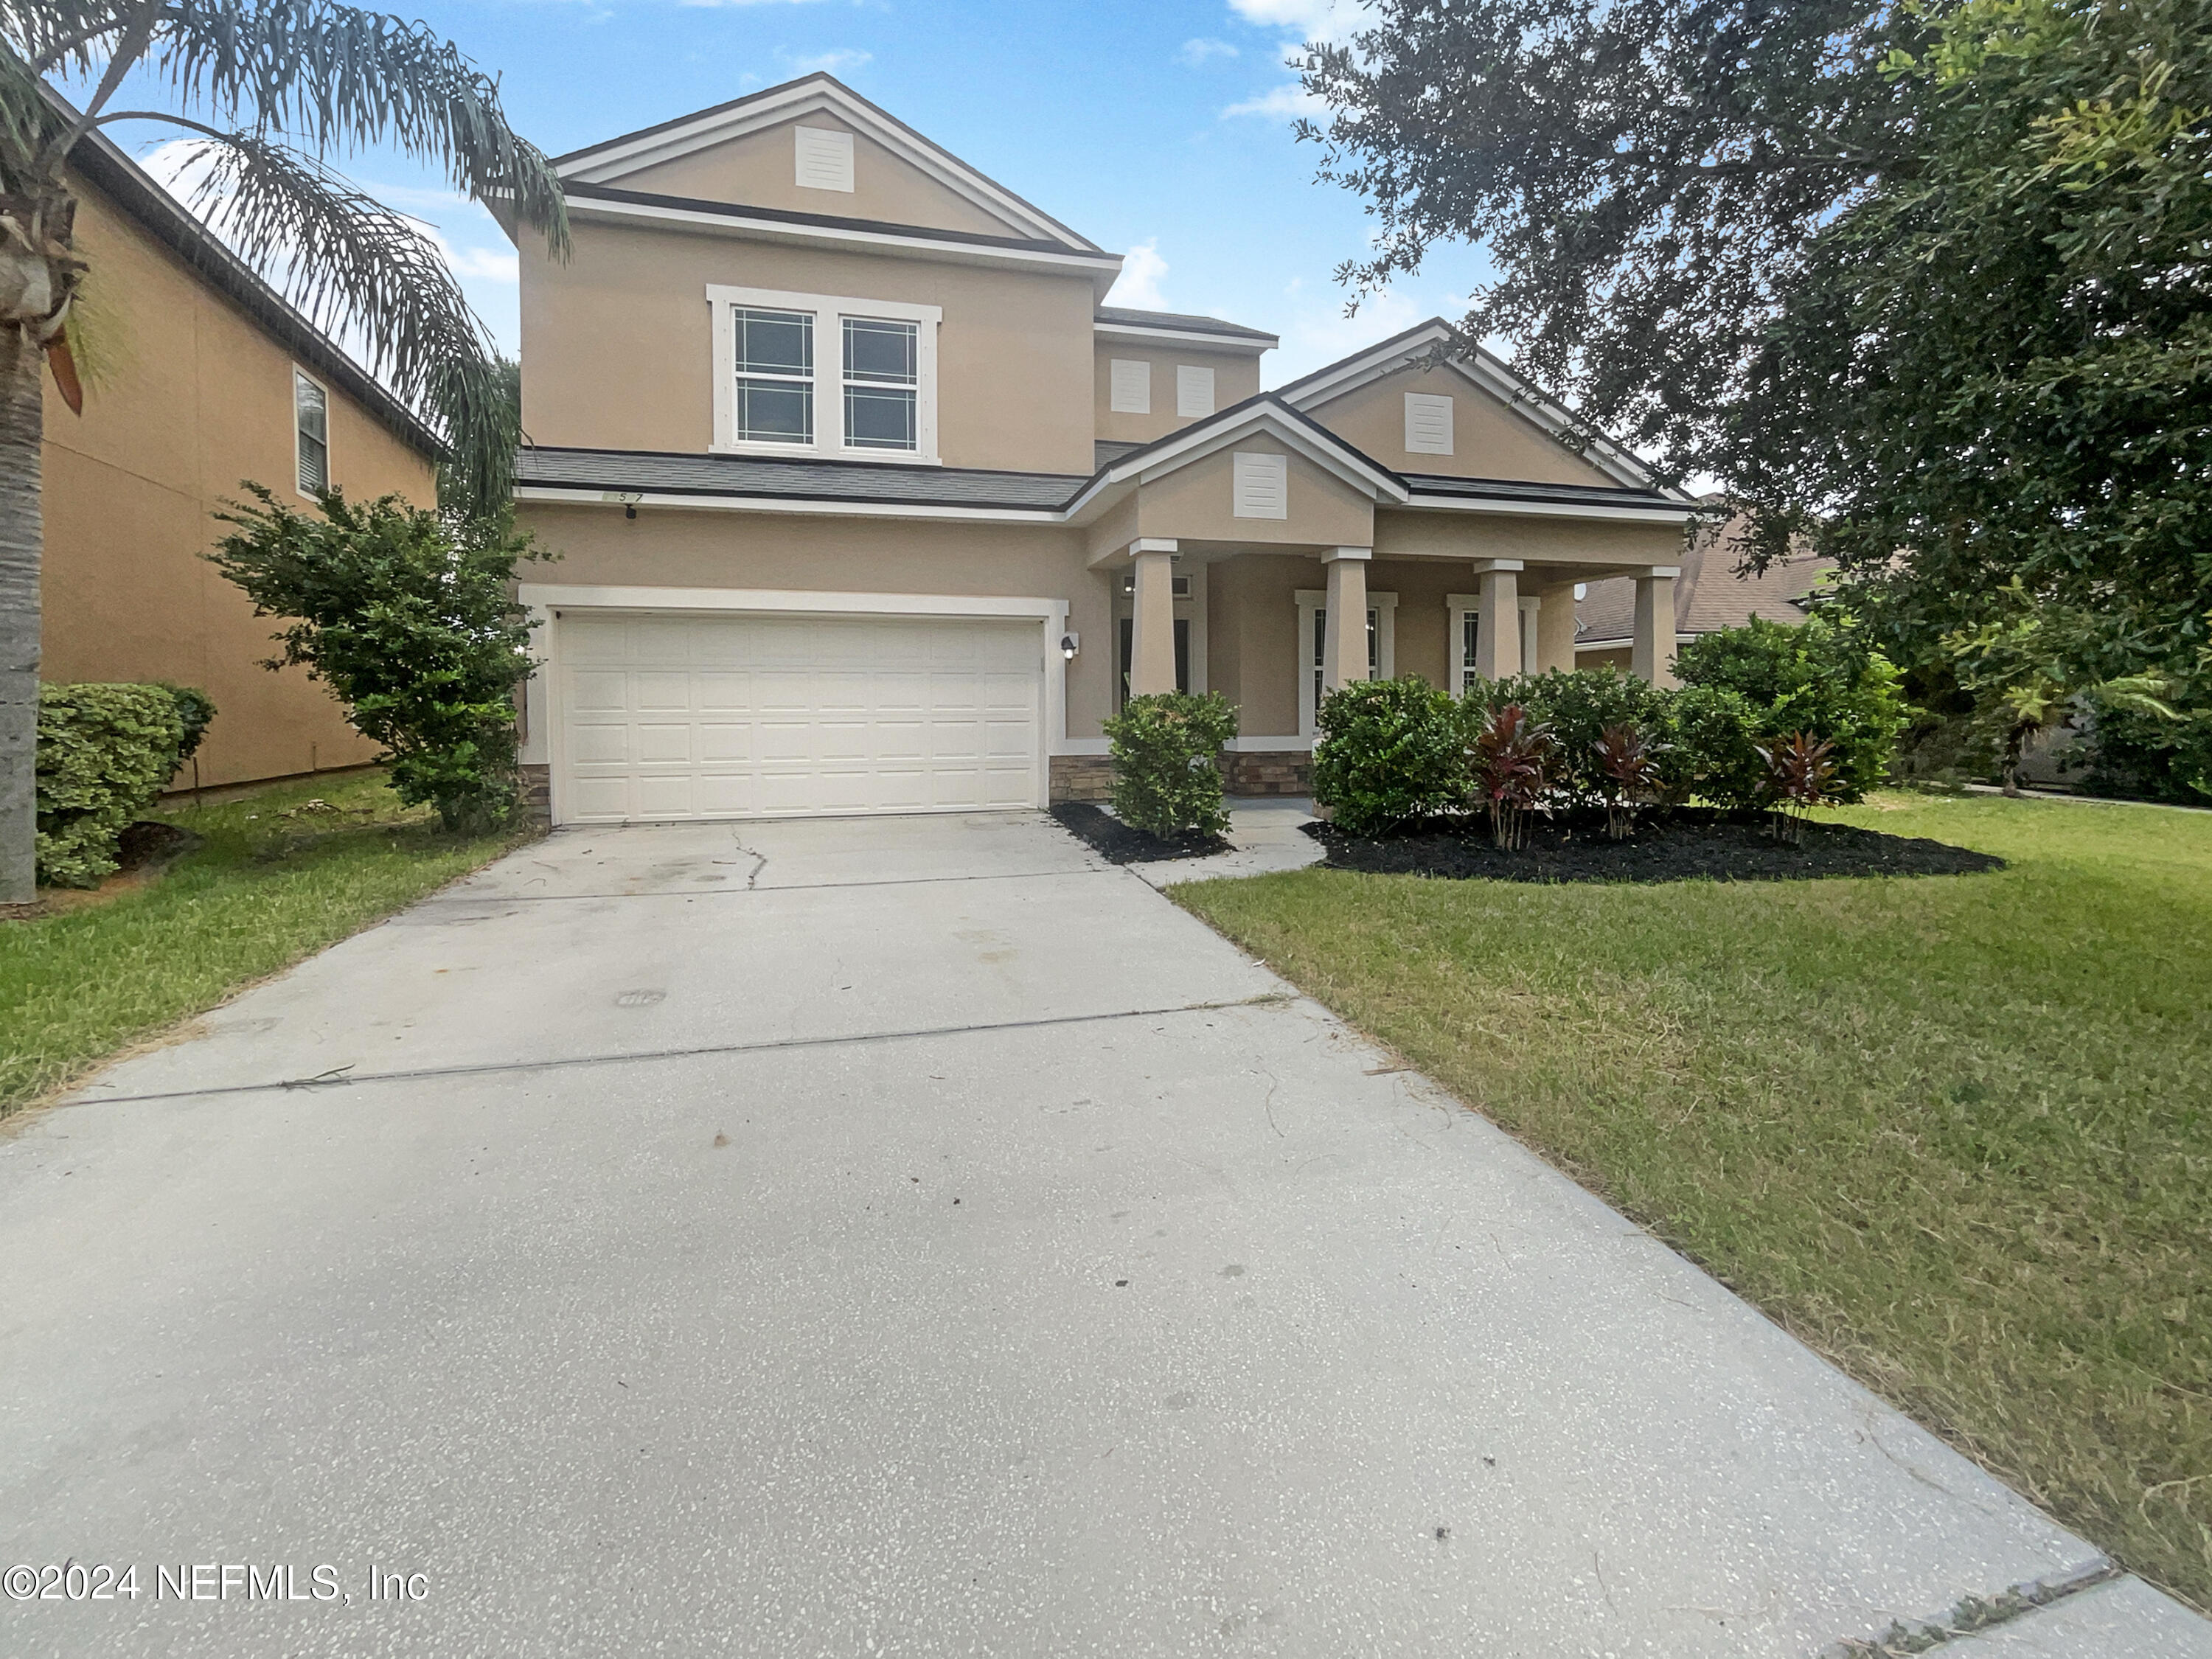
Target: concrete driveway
point(903, 1239)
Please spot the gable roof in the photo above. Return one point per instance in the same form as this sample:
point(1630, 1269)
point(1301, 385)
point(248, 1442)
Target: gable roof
point(102, 163)
point(1486, 370)
point(612, 160)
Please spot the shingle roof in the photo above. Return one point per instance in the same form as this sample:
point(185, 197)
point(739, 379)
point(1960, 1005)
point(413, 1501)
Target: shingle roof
point(1708, 595)
point(1518, 489)
point(1182, 321)
point(886, 484)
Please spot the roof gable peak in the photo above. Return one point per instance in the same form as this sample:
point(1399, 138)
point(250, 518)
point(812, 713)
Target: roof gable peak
point(612, 160)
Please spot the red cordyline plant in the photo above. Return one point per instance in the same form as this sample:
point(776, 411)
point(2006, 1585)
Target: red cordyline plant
point(1510, 754)
point(1630, 763)
point(1801, 768)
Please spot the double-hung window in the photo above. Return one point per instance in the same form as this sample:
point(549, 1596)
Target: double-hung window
point(774, 375)
point(311, 433)
point(813, 375)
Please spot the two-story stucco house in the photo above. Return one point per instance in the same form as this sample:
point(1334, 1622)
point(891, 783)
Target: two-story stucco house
point(865, 502)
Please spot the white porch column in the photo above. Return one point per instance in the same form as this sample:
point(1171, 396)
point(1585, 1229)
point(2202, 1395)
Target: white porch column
point(1652, 654)
point(1498, 635)
point(1152, 634)
point(1343, 634)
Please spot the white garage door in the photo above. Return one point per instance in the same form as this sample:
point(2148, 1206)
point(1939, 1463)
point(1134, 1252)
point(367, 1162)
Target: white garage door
point(733, 715)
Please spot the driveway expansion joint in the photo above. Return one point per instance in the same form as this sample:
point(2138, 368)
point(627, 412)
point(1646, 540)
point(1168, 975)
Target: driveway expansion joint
point(451, 899)
point(1973, 1614)
point(340, 1077)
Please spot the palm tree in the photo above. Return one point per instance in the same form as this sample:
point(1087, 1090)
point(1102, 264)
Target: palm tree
point(284, 85)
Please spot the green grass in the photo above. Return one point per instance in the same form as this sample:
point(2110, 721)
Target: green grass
point(273, 883)
point(1955, 1132)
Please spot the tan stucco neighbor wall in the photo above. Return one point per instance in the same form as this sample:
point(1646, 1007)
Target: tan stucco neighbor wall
point(1489, 439)
point(1236, 377)
point(193, 398)
point(668, 547)
point(760, 170)
point(1584, 542)
point(617, 344)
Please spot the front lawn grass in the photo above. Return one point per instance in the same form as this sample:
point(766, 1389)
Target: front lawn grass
point(1955, 1132)
point(277, 879)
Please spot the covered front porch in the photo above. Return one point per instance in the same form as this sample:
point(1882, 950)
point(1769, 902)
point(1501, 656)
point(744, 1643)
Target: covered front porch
point(1274, 630)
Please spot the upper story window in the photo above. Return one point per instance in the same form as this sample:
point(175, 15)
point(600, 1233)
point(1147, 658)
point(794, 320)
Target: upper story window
point(311, 433)
point(875, 398)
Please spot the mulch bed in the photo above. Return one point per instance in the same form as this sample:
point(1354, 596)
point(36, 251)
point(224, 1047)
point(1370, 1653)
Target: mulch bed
point(1124, 843)
point(1687, 844)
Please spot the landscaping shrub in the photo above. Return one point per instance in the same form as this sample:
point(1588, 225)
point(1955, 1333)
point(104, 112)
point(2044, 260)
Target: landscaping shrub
point(1166, 780)
point(2132, 752)
point(195, 710)
point(412, 622)
point(1580, 706)
point(1818, 677)
point(1511, 756)
point(1710, 750)
point(1388, 751)
point(103, 753)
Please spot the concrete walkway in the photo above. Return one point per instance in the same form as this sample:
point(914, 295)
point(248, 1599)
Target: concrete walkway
point(901, 1238)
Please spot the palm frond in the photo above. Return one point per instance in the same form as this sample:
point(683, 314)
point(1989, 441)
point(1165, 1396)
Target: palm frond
point(360, 270)
point(61, 36)
point(28, 122)
point(335, 78)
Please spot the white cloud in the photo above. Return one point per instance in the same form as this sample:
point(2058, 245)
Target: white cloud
point(1193, 53)
point(493, 264)
point(1318, 333)
point(1280, 103)
point(1308, 20)
point(829, 62)
point(1139, 284)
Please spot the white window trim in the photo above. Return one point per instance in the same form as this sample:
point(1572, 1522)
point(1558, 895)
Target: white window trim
point(827, 311)
point(1459, 606)
point(1310, 599)
point(330, 411)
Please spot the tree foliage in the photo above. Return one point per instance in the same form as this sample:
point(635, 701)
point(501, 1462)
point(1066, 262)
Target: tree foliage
point(411, 622)
point(1924, 285)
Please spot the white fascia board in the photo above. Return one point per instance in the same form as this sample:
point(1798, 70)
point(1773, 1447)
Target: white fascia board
point(1097, 265)
point(583, 495)
point(1243, 344)
point(617, 161)
point(1371, 364)
point(1552, 510)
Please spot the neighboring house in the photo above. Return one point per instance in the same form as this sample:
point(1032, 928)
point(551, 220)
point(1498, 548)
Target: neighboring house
point(199, 376)
point(1711, 594)
point(864, 502)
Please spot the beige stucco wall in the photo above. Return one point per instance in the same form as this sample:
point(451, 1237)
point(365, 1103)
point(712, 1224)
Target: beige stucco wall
point(666, 548)
point(617, 344)
point(193, 398)
point(1252, 637)
point(1236, 377)
point(760, 170)
point(1489, 438)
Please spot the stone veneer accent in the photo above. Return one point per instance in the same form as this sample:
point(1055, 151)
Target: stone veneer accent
point(1269, 772)
point(1081, 777)
point(533, 794)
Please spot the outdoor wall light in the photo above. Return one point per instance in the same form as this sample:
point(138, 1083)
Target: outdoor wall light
point(1069, 644)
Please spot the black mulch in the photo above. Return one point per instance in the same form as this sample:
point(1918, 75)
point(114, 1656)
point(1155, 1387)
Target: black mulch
point(151, 843)
point(1682, 845)
point(1124, 843)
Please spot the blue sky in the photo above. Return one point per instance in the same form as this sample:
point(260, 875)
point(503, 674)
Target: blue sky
point(1161, 128)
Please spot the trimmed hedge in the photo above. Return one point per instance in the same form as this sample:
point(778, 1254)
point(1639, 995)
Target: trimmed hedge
point(1388, 751)
point(103, 753)
point(1164, 745)
point(1393, 751)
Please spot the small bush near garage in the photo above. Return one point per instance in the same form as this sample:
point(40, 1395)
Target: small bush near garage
point(412, 624)
point(1389, 752)
point(105, 751)
point(1166, 780)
